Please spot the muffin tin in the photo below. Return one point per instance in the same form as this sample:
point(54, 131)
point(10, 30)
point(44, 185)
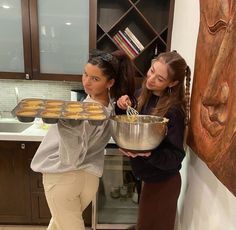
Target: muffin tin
point(52, 110)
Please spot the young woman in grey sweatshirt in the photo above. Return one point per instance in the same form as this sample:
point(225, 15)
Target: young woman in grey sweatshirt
point(71, 155)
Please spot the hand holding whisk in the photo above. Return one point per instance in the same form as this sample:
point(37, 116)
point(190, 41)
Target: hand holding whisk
point(130, 111)
point(124, 103)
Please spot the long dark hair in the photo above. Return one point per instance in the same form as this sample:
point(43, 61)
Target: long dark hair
point(118, 66)
point(177, 95)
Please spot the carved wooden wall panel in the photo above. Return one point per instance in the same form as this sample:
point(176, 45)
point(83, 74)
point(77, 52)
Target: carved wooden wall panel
point(212, 133)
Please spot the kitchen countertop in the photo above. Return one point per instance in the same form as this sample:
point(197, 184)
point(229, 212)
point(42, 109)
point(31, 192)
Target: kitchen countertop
point(35, 132)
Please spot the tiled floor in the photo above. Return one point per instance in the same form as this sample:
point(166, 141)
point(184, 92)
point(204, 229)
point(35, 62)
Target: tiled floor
point(20, 227)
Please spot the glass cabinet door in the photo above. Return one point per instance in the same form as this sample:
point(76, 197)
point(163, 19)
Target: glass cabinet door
point(11, 38)
point(61, 38)
point(117, 197)
point(46, 40)
point(63, 35)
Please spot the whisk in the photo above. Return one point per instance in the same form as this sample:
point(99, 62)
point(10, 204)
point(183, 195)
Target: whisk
point(131, 112)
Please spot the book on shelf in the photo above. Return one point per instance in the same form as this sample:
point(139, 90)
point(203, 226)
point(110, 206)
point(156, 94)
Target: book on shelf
point(122, 46)
point(134, 38)
point(129, 42)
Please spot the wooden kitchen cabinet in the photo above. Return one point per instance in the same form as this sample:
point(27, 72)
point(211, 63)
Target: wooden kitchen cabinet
point(150, 21)
point(46, 40)
point(40, 213)
point(20, 202)
point(14, 183)
point(22, 199)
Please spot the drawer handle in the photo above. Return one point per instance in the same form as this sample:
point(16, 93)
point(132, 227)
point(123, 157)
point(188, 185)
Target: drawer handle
point(22, 146)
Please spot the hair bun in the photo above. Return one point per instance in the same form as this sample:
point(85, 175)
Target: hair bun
point(119, 54)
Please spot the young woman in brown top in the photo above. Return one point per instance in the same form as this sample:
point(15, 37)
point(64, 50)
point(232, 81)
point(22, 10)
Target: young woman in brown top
point(163, 93)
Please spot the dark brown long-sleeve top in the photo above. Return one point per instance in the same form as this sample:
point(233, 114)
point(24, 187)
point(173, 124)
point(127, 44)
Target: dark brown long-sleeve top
point(166, 159)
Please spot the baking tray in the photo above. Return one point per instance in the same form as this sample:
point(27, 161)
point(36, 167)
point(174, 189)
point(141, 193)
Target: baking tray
point(52, 110)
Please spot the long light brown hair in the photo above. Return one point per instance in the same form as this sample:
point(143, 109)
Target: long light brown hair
point(179, 94)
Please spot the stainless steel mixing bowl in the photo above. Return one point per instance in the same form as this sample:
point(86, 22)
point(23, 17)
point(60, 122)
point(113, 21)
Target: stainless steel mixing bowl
point(143, 133)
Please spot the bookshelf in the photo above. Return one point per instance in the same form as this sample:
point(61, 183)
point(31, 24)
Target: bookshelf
point(150, 22)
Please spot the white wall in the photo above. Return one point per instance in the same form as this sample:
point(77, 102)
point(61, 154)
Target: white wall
point(204, 204)
point(185, 29)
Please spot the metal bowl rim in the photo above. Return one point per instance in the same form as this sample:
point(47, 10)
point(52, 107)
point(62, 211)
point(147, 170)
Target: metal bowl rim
point(163, 120)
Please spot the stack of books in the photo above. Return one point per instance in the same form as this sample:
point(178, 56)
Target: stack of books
point(128, 42)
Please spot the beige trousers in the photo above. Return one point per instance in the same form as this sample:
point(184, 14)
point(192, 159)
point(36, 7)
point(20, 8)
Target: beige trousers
point(68, 194)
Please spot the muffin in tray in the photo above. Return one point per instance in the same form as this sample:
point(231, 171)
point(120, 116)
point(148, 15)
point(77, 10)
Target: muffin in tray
point(95, 111)
point(50, 117)
point(74, 109)
point(97, 116)
point(25, 115)
point(28, 106)
point(96, 119)
point(74, 115)
point(53, 108)
point(32, 102)
point(74, 104)
point(53, 103)
point(93, 106)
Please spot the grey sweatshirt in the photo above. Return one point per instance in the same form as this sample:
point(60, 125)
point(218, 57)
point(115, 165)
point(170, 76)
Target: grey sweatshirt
point(67, 147)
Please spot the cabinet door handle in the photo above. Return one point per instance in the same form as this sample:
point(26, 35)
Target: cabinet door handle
point(27, 76)
point(22, 146)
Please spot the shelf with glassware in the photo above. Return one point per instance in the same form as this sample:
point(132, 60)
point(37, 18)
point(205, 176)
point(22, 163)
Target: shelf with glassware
point(137, 27)
point(116, 202)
